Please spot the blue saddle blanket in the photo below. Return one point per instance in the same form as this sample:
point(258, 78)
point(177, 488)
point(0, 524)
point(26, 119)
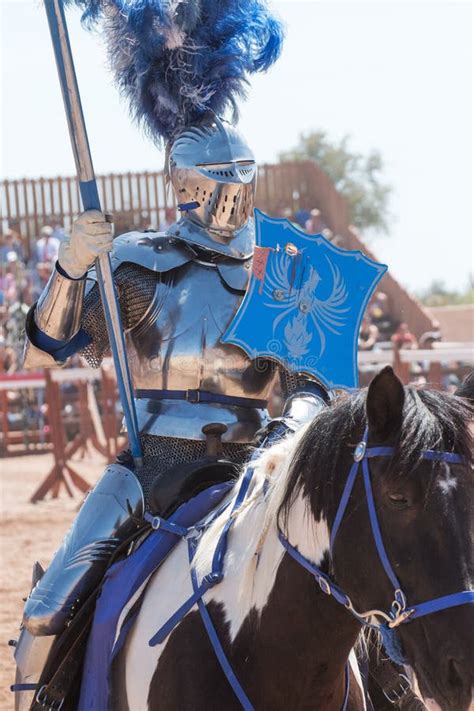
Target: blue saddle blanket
point(121, 582)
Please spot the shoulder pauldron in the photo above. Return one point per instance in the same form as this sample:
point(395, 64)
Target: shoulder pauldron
point(156, 251)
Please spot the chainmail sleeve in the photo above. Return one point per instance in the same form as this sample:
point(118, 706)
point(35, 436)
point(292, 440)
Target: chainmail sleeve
point(135, 289)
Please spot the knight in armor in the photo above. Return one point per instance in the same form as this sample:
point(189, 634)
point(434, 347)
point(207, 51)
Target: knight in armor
point(178, 291)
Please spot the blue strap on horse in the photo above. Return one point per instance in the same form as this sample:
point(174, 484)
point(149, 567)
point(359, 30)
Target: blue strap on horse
point(217, 566)
point(216, 573)
point(122, 581)
point(400, 612)
point(213, 636)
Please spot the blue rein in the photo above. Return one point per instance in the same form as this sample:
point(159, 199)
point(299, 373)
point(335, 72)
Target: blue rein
point(400, 612)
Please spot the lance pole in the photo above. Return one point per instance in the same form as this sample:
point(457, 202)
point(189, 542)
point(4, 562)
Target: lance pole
point(91, 201)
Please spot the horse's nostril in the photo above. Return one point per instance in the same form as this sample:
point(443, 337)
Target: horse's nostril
point(455, 674)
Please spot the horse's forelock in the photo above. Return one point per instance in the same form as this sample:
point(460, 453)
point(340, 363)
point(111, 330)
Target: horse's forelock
point(431, 420)
point(434, 420)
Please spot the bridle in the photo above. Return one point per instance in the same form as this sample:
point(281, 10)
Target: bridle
point(400, 612)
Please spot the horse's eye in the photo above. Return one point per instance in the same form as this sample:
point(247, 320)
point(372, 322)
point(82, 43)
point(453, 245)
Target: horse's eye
point(399, 501)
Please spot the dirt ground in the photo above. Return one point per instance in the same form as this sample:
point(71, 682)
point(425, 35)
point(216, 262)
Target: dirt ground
point(28, 532)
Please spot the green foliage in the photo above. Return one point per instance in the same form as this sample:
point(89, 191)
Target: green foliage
point(438, 295)
point(357, 177)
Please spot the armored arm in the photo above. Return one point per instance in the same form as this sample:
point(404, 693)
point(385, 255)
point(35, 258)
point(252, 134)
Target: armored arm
point(67, 320)
point(68, 317)
point(54, 322)
point(303, 399)
point(53, 325)
point(303, 396)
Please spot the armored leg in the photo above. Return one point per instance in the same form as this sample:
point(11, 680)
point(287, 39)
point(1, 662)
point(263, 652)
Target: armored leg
point(31, 654)
point(107, 517)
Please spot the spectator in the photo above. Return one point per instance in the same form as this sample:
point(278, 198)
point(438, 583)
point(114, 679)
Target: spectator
point(47, 246)
point(58, 231)
point(15, 322)
point(368, 335)
point(8, 360)
point(285, 212)
point(9, 281)
point(316, 225)
point(43, 272)
point(451, 383)
point(301, 217)
point(402, 338)
point(11, 244)
point(380, 316)
point(428, 339)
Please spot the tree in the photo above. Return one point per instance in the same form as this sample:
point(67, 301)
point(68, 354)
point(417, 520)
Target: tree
point(437, 294)
point(357, 177)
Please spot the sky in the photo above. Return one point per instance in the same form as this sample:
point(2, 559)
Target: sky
point(394, 76)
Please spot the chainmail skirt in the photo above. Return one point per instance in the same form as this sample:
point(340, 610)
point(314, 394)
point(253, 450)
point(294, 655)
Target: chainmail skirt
point(161, 453)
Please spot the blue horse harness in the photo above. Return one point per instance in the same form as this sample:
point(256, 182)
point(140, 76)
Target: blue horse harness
point(399, 613)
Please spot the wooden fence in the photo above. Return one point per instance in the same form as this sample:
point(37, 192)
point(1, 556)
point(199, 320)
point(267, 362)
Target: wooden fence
point(136, 200)
point(139, 200)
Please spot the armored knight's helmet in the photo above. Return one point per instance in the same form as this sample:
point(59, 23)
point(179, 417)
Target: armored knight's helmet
point(213, 173)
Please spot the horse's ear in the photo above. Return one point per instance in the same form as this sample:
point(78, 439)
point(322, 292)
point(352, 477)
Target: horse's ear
point(466, 389)
point(384, 404)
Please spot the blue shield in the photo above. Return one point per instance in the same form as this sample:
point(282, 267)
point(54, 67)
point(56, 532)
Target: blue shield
point(305, 302)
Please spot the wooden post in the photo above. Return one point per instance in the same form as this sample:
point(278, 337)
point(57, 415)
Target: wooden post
point(5, 428)
point(402, 369)
point(61, 474)
point(435, 374)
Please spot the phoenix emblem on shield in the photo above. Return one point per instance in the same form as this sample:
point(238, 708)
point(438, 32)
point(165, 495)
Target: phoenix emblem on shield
point(305, 302)
point(298, 305)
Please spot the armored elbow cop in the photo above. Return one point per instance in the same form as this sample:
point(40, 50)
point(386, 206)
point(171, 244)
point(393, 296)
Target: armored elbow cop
point(59, 308)
point(57, 314)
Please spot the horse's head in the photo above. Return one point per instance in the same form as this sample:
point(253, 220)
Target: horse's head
point(425, 511)
point(424, 507)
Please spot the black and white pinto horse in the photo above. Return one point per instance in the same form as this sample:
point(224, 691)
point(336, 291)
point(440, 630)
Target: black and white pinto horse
point(288, 641)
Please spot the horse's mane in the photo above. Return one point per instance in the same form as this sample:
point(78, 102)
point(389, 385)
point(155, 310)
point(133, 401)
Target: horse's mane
point(431, 420)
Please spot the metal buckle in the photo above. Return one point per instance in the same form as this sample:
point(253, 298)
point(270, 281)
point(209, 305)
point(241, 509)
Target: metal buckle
point(394, 694)
point(156, 523)
point(193, 533)
point(193, 396)
point(359, 452)
point(400, 618)
point(324, 585)
point(43, 701)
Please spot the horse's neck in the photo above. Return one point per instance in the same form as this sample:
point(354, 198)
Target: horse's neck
point(310, 623)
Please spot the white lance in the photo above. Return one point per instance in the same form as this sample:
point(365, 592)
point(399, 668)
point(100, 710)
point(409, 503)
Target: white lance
point(91, 201)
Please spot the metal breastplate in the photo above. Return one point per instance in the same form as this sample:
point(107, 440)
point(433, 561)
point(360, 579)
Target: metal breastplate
point(177, 347)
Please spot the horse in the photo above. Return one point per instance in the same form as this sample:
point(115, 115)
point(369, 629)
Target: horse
point(310, 561)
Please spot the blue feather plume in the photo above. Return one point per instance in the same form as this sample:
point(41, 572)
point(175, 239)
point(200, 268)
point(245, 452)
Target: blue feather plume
point(177, 61)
